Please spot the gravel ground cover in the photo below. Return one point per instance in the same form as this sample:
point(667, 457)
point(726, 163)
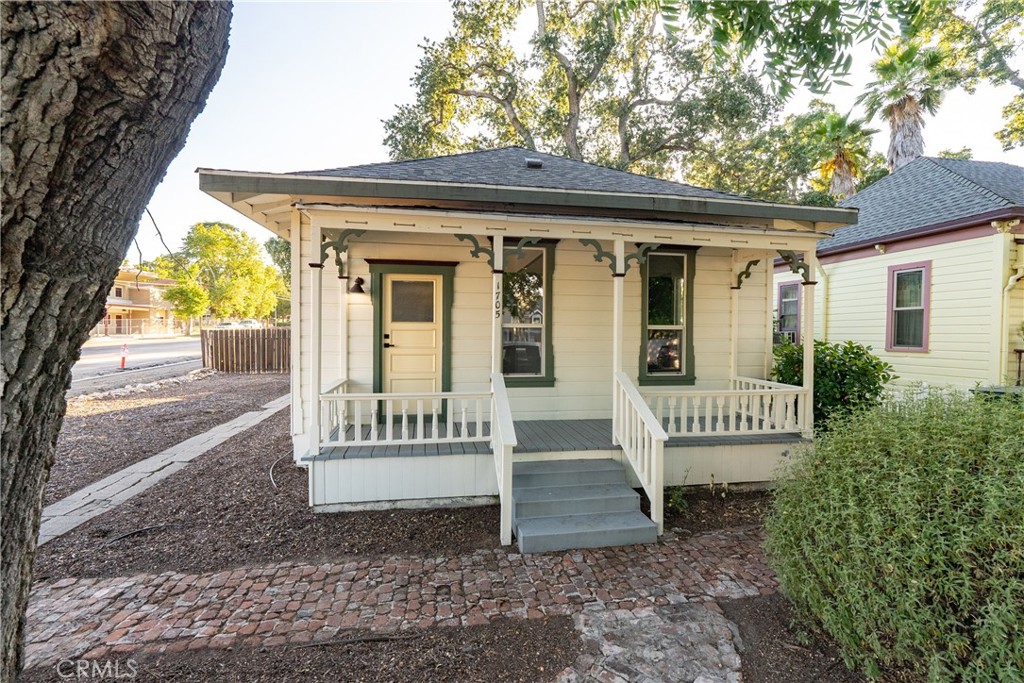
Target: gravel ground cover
point(512, 650)
point(101, 436)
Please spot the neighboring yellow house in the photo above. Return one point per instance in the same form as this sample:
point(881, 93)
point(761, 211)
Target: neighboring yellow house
point(135, 306)
point(929, 277)
point(518, 324)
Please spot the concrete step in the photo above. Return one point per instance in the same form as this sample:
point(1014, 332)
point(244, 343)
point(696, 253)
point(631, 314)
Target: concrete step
point(566, 473)
point(595, 530)
point(548, 501)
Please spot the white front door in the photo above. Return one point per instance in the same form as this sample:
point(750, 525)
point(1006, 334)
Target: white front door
point(412, 334)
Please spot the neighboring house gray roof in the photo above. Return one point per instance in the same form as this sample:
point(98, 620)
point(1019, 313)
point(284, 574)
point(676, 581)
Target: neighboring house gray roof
point(928, 192)
point(507, 167)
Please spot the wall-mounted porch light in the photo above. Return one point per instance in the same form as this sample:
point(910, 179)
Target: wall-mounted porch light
point(357, 286)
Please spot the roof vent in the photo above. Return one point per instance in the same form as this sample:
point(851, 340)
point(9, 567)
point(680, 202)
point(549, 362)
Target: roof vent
point(532, 162)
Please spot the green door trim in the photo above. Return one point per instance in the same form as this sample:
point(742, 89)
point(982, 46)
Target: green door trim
point(378, 270)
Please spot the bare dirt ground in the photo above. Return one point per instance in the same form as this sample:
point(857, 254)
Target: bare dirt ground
point(510, 650)
point(101, 436)
point(223, 511)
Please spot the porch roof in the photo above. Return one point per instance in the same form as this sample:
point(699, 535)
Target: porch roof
point(506, 179)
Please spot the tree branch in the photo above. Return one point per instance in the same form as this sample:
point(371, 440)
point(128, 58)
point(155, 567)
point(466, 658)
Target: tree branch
point(571, 133)
point(506, 105)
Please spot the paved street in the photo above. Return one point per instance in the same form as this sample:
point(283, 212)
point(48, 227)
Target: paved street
point(148, 360)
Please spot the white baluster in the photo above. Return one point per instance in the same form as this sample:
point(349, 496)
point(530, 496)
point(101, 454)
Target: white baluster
point(419, 419)
point(357, 435)
point(405, 420)
point(373, 420)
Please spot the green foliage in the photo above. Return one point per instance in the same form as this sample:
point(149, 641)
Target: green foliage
point(1012, 134)
point(845, 145)
point(901, 535)
point(280, 251)
point(816, 198)
point(964, 153)
point(618, 94)
point(675, 500)
point(188, 300)
point(800, 42)
point(847, 376)
point(876, 169)
point(227, 264)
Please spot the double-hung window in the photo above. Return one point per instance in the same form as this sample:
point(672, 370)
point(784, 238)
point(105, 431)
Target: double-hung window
point(666, 354)
point(907, 307)
point(789, 312)
point(526, 349)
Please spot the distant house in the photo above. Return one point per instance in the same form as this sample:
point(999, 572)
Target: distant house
point(929, 276)
point(135, 305)
point(515, 324)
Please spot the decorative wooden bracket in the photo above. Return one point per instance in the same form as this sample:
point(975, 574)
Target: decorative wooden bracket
point(477, 249)
point(526, 241)
point(797, 266)
point(340, 245)
point(745, 273)
point(640, 255)
point(600, 254)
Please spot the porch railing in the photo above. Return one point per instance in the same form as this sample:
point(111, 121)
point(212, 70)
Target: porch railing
point(403, 419)
point(748, 406)
point(503, 441)
point(643, 441)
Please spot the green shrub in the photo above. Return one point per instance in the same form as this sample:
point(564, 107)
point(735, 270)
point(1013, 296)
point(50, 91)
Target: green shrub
point(901, 534)
point(846, 376)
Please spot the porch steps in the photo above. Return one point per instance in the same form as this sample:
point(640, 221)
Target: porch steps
point(564, 504)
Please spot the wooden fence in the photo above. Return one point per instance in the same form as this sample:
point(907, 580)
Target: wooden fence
point(247, 351)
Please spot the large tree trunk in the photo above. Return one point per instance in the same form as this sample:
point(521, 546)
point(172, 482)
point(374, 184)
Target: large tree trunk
point(98, 99)
point(906, 133)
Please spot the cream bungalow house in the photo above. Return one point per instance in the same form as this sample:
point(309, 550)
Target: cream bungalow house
point(930, 277)
point(514, 324)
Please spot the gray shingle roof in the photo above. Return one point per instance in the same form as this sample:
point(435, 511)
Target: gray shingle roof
point(507, 167)
point(929, 191)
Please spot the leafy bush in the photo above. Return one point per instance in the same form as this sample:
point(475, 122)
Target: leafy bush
point(901, 533)
point(846, 376)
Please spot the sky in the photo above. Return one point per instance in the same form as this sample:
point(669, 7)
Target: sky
point(307, 85)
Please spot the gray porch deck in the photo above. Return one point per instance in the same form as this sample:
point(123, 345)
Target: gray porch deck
point(538, 436)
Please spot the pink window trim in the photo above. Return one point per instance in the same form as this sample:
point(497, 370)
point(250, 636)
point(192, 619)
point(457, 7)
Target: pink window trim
point(926, 300)
point(799, 306)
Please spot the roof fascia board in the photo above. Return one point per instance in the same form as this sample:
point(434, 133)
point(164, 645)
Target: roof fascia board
point(231, 181)
point(451, 223)
point(934, 228)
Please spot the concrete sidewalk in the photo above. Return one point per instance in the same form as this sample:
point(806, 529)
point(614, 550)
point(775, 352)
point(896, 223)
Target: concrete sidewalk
point(95, 499)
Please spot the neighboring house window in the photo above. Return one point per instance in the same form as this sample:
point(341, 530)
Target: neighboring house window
point(666, 354)
point(119, 292)
point(789, 311)
point(526, 349)
point(907, 307)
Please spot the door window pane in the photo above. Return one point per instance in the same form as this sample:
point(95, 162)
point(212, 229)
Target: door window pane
point(412, 301)
point(521, 350)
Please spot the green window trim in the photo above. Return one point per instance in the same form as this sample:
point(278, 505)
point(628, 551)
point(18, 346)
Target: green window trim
point(377, 271)
point(689, 376)
point(547, 379)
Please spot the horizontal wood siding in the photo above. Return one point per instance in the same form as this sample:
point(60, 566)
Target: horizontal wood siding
point(247, 351)
point(581, 310)
point(963, 340)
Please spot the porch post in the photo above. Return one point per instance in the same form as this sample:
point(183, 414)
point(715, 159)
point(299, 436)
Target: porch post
point(618, 285)
point(811, 258)
point(496, 303)
point(316, 318)
point(734, 317)
point(295, 236)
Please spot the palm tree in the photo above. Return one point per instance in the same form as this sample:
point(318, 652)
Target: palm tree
point(911, 79)
point(845, 144)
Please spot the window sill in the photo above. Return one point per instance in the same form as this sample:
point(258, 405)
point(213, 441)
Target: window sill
point(905, 349)
point(513, 382)
point(674, 380)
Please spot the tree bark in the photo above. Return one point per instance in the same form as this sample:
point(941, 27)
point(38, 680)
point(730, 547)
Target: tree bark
point(98, 99)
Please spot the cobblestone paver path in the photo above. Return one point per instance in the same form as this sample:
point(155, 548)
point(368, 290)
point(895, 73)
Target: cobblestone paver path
point(296, 603)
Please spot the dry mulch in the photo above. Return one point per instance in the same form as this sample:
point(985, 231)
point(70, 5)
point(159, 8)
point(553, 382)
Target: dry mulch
point(101, 436)
point(513, 650)
point(222, 511)
point(772, 649)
